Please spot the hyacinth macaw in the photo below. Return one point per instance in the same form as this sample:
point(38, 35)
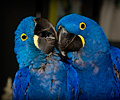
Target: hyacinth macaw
point(41, 75)
point(83, 41)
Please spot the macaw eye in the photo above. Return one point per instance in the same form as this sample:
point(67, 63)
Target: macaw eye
point(82, 25)
point(23, 37)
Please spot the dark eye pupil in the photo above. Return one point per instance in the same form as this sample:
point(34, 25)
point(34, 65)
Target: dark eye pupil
point(82, 26)
point(24, 37)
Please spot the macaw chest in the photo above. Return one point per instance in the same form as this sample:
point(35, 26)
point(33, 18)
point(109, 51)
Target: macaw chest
point(47, 79)
point(98, 80)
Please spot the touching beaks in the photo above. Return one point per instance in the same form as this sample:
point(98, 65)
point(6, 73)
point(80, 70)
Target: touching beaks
point(45, 35)
point(69, 42)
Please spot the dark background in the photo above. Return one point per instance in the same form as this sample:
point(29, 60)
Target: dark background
point(12, 12)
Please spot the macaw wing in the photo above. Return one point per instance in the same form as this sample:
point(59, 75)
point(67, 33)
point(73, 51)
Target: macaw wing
point(72, 80)
point(21, 84)
point(115, 56)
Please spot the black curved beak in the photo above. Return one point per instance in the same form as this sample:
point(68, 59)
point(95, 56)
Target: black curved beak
point(45, 35)
point(68, 42)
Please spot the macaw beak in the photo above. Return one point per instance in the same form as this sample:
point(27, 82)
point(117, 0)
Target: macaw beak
point(45, 35)
point(69, 42)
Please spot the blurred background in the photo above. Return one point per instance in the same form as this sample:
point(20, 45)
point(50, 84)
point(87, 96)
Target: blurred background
point(105, 12)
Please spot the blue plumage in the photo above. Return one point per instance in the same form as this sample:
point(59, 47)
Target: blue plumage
point(40, 76)
point(26, 48)
point(115, 56)
point(21, 82)
point(73, 82)
point(94, 61)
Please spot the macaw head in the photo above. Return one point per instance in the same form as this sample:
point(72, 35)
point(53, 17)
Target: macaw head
point(77, 33)
point(33, 36)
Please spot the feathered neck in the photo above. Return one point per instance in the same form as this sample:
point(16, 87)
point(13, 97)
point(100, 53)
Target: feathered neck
point(26, 56)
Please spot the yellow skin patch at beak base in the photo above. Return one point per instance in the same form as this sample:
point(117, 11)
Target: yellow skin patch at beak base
point(83, 41)
point(36, 40)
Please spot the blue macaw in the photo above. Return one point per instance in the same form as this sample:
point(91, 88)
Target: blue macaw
point(41, 75)
point(83, 41)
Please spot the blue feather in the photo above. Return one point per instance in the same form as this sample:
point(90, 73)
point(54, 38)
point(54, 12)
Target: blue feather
point(115, 56)
point(72, 80)
point(21, 83)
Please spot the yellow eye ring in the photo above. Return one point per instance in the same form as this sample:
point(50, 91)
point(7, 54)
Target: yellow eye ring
point(82, 26)
point(23, 37)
